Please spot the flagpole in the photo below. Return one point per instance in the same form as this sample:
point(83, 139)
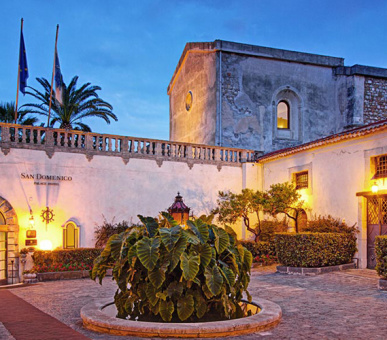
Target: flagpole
point(52, 78)
point(18, 76)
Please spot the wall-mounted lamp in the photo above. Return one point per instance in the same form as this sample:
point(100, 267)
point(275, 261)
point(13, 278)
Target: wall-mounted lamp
point(31, 221)
point(179, 211)
point(375, 188)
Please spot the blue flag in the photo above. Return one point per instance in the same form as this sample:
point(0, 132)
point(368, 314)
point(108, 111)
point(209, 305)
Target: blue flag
point(58, 79)
point(23, 68)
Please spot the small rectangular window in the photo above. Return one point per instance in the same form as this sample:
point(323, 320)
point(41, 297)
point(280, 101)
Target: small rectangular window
point(380, 167)
point(301, 180)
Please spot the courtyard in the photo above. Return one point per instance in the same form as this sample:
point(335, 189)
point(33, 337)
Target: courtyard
point(340, 305)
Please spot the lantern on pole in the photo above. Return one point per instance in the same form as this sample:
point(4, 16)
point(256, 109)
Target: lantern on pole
point(179, 211)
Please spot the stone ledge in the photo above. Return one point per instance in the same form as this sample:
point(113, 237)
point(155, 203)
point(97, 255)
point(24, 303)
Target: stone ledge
point(314, 271)
point(95, 319)
point(53, 276)
point(382, 285)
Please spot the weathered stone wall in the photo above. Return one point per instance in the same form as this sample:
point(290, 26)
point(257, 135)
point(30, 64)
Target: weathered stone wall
point(375, 99)
point(198, 75)
point(251, 89)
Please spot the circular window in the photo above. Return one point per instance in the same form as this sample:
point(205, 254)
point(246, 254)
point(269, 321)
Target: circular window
point(188, 101)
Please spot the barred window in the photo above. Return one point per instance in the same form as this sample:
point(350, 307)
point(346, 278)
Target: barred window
point(301, 180)
point(380, 167)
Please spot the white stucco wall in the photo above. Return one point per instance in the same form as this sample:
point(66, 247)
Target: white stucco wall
point(107, 188)
point(337, 172)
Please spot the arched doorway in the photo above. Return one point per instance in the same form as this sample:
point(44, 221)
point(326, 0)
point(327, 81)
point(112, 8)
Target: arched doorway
point(9, 236)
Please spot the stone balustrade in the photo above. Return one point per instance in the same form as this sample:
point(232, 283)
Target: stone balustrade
point(92, 143)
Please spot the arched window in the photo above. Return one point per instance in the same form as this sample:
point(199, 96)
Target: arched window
point(70, 236)
point(2, 219)
point(283, 115)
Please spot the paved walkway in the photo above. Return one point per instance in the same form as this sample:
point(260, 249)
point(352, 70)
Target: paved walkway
point(22, 321)
point(345, 305)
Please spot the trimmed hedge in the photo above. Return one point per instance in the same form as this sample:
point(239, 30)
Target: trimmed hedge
point(314, 249)
point(259, 248)
point(381, 256)
point(65, 256)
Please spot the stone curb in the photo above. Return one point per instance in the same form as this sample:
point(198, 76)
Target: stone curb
point(382, 284)
point(314, 271)
point(94, 319)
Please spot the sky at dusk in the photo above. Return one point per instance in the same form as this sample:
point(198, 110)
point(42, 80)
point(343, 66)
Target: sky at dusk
point(131, 48)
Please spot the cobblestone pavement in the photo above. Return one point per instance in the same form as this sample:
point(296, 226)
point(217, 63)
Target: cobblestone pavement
point(345, 305)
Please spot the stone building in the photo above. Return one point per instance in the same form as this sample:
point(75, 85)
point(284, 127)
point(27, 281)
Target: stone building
point(236, 95)
point(241, 116)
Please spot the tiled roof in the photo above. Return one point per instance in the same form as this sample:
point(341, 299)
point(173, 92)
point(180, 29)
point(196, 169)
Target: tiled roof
point(338, 137)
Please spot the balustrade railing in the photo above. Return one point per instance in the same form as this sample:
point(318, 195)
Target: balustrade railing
point(91, 143)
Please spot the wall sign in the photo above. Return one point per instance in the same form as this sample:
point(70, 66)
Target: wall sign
point(41, 179)
point(31, 242)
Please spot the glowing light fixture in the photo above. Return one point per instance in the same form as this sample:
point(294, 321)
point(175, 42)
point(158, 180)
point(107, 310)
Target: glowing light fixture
point(31, 220)
point(46, 245)
point(179, 211)
point(375, 188)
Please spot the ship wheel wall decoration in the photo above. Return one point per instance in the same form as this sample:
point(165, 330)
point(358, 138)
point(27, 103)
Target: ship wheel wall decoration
point(47, 215)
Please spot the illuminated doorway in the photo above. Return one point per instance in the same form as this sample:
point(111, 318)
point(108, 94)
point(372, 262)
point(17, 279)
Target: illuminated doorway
point(3, 251)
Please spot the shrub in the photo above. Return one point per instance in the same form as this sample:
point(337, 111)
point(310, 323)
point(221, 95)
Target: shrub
point(59, 267)
point(103, 232)
point(314, 249)
point(166, 272)
point(270, 227)
point(259, 248)
point(65, 256)
point(328, 224)
point(381, 255)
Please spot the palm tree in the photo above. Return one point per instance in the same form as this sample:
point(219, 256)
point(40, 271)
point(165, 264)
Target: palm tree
point(7, 115)
point(76, 105)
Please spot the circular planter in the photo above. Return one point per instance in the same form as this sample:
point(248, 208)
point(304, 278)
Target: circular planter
point(95, 318)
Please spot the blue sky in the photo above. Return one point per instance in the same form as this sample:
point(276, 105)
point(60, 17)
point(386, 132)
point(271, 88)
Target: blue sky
point(131, 48)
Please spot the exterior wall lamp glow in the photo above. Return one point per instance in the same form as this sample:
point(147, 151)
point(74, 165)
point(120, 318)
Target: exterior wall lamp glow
point(179, 211)
point(375, 188)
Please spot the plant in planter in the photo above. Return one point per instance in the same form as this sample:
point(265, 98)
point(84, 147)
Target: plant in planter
point(24, 251)
point(166, 272)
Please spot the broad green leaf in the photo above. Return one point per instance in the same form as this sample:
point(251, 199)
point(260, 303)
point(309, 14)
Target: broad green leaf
point(148, 252)
point(151, 291)
point(247, 260)
point(185, 307)
point(166, 310)
point(170, 236)
point(150, 224)
point(200, 305)
point(189, 264)
point(157, 277)
point(205, 253)
point(156, 308)
point(229, 275)
point(221, 240)
point(199, 229)
point(179, 248)
point(207, 292)
point(214, 279)
point(162, 295)
point(175, 289)
point(190, 236)
point(231, 231)
point(167, 221)
point(116, 243)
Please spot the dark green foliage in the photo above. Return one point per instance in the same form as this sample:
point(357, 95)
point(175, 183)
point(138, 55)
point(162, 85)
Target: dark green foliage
point(165, 272)
point(270, 227)
point(103, 232)
point(314, 249)
point(259, 248)
point(328, 224)
point(77, 104)
point(65, 256)
point(7, 115)
point(381, 255)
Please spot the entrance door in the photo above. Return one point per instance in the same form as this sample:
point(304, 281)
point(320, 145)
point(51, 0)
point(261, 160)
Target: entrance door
point(3, 258)
point(376, 225)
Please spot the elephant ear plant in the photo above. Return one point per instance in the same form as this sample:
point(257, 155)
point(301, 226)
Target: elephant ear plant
point(177, 274)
